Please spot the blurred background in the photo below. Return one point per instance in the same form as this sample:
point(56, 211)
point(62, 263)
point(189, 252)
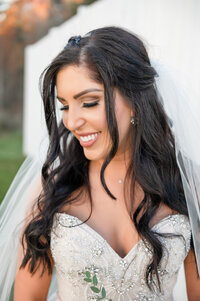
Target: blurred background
point(22, 23)
point(32, 32)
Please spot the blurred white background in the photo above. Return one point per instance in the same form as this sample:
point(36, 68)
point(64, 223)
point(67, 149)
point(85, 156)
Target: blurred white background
point(170, 30)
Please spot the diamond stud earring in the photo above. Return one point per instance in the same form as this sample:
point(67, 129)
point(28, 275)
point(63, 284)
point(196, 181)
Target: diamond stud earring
point(132, 120)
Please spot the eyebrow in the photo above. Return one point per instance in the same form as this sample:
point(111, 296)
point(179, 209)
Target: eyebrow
point(82, 93)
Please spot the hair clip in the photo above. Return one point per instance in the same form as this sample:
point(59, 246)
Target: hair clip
point(73, 41)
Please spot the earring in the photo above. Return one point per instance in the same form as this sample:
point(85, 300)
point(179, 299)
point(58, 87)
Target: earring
point(132, 120)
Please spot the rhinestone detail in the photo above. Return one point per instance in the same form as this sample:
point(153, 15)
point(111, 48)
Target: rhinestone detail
point(77, 248)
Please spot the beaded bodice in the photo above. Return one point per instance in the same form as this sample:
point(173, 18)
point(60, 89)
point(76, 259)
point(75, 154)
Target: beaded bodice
point(87, 267)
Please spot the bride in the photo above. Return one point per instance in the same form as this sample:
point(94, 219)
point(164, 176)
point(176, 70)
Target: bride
point(109, 212)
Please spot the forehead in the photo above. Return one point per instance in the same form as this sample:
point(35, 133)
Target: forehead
point(73, 79)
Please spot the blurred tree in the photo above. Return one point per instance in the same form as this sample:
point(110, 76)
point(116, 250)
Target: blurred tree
point(24, 23)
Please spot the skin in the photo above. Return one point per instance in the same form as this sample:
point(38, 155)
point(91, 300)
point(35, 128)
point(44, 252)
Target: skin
point(81, 120)
point(192, 279)
point(30, 287)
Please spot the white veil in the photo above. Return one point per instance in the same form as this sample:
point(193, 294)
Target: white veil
point(183, 109)
point(13, 211)
point(182, 112)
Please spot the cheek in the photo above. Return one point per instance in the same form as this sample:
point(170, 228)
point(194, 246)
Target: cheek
point(64, 119)
point(124, 123)
point(123, 129)
point(97, 119)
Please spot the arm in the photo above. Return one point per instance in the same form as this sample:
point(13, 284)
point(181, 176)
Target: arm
point(31, 287)
point(192, 279)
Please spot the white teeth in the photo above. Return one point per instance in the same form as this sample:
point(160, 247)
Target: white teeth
point(88, 138)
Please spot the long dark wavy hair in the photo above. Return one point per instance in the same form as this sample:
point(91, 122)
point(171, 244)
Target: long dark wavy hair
point(117, 59)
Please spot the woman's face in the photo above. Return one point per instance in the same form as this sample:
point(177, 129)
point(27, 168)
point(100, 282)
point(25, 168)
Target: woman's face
point(84, 114)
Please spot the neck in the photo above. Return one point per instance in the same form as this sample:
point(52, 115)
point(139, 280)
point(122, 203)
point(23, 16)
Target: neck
point(116, 169)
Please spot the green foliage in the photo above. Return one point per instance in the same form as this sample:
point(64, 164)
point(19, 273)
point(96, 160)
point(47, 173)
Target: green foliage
point(11, 158)
point(87, 2)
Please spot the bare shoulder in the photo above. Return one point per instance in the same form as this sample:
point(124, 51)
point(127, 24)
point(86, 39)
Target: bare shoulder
point(162, 212)
point(192, 279)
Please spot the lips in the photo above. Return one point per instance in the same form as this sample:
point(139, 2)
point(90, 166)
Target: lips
point(88, 139)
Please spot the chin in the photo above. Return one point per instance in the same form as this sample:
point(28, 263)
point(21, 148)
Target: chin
point(93, 155)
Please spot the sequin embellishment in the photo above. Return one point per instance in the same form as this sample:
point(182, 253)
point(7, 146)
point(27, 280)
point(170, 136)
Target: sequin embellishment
point(77, 248)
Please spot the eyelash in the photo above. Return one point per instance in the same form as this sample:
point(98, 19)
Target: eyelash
point(85, 105)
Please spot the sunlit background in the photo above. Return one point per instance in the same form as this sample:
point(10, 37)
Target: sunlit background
point(22, 23)
point(32, 32)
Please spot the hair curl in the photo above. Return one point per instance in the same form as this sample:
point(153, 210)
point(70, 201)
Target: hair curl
point(117, 59)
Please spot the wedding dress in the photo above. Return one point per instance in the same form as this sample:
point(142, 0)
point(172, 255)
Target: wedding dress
point(80, 253)
point(79, 250)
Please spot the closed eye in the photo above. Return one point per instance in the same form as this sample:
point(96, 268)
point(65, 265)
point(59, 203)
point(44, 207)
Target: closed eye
point(85, 105)
point(90, 104)
point(64, 108)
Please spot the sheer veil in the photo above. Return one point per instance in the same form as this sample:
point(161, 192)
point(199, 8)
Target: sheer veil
point(180, 106)
point(13, 211)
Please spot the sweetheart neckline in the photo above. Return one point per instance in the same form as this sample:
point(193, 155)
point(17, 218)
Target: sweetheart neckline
point(107, 243)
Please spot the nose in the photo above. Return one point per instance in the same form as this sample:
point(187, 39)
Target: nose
point(73, 119)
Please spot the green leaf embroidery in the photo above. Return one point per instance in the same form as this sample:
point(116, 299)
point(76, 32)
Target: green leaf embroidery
point(95, 289)
point(103, 292)
point(87, 273)
point(88, 279)
point(94, 280)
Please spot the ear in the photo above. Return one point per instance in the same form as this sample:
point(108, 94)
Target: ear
point(132, 113)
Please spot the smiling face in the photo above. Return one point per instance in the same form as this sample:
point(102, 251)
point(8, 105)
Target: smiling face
point(84, 113)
